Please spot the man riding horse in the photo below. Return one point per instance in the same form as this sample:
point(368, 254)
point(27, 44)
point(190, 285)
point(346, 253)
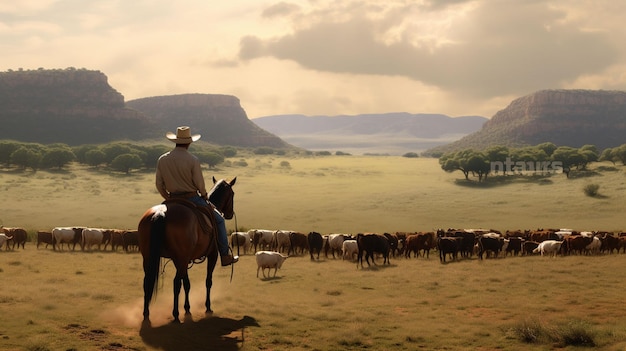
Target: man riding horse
point(178, 175)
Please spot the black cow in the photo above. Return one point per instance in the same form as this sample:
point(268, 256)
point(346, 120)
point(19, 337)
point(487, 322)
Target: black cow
point(316, 242)
point(492, 244)
point(448, 245)
point(393, 243)
point(515, 246)
point(370, 244)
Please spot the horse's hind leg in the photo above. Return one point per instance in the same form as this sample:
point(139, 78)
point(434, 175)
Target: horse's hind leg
point(187, 287)
point(177, 285)
point(211, 262)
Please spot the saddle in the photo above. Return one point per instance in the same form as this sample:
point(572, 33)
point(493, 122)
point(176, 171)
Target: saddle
point(206, 219)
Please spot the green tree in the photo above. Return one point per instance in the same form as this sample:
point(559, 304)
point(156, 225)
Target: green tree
point(58, 157)
point(94, 157)
point(547, 147)
point(6, 149)
point(126, 162)
point(589, 154)
point(81, 151)
point(263, 150)
point(478, 164)
point(115, 149)
point(498, 153)
point(569, 158)
point(608, 154)
point(152, 153)
point(211, 158)
point(26, 157)
point(229, 151)
point(409, 155)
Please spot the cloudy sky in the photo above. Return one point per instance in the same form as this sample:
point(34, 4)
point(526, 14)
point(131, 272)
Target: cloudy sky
point(320, 57)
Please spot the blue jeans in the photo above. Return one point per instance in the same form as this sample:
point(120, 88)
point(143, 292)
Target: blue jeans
point(222, 236)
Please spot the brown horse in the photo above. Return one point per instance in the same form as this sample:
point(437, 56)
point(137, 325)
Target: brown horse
point(172, 230)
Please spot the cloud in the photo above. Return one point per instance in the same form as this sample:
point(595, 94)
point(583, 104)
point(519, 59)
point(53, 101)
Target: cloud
point(490, 49)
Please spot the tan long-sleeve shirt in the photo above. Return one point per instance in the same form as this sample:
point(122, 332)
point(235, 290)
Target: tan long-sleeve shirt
point(178, 171)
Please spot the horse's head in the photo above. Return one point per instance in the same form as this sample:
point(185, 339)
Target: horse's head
point(222, 196)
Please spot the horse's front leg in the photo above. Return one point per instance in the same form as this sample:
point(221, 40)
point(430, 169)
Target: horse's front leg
point(211, 262)
point(177, 285)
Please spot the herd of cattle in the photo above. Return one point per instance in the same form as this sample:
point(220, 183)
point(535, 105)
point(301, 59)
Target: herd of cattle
point(86, 238)
point(451, 244)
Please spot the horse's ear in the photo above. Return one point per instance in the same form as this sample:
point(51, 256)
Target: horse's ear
point(232, 182)
point(214, 180)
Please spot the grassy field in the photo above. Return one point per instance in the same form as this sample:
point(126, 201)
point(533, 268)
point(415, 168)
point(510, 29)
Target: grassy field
point(93, 300)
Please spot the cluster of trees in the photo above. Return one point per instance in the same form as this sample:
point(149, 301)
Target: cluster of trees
point(545, 158)
point(119, 156)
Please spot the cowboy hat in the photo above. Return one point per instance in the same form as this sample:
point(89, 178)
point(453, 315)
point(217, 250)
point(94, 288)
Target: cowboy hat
point(182, 136)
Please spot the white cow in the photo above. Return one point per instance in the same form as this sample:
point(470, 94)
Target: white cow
point(3, 239)
point(66, 235)
point(269, 260)
point(261, 238)
point(549, 247)
point(334, 243)
point(281, 240)
point(350, 249)
point(92, 236)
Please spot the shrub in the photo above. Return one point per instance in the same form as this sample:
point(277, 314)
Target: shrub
point(411, 155)
point(591, 189)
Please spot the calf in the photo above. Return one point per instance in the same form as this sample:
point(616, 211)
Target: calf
point(281, 241)
point(269, 260)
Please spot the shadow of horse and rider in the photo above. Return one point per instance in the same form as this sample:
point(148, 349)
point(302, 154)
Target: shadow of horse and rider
point(210, 333)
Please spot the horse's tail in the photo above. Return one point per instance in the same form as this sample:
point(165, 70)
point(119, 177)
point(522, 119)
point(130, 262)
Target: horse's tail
point(157, 237)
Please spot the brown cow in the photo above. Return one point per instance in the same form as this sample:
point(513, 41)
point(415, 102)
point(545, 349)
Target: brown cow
point(576, 243)
point(297, 241)
point(609, 243)
point(19, 236)
point(419, 242)
point(116, 238)
point(131, 240)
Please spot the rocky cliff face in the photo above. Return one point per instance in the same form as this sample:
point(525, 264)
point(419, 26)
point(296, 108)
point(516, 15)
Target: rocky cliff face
point(564, 117)
point(78, 106)
point(218, 118)
point(69, 106)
